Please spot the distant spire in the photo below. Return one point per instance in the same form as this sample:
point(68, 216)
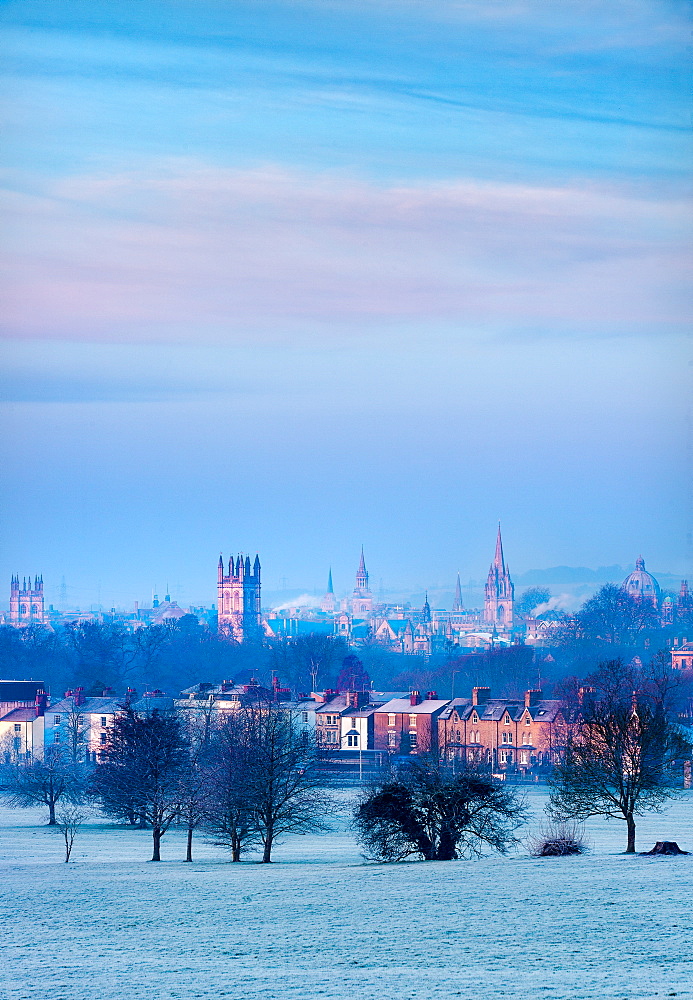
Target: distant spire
point(458, 604)
point(362, 564)
point(498, 558)
point(426, 612)
point(330, 588)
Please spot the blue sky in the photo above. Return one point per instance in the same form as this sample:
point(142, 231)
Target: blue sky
point(293, 277)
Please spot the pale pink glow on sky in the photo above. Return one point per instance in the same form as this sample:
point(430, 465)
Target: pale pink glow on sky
point(124, 257)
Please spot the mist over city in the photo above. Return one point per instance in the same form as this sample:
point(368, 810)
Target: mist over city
point(346, 639)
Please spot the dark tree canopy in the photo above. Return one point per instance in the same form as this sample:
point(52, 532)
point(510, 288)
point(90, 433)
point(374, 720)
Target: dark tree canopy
point(352, 676)
point(425, 810)
point(531, 598)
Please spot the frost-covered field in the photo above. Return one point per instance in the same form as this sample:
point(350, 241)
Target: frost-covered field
point(321, 923)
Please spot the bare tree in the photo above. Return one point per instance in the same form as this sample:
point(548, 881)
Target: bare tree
point(230, 785)
point(47, 780)
point(69, 820)
point(426, 810)
point(620, 751)
point(143, 769)
point(285, 785)
point(199, 728)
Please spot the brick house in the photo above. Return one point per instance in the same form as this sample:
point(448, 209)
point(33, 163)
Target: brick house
point(408, 725)
point(503, 732)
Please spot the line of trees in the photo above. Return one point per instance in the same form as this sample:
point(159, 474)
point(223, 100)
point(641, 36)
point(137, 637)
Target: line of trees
point(246, 780)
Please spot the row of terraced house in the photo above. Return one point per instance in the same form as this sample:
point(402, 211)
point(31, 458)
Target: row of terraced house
point(505, 733)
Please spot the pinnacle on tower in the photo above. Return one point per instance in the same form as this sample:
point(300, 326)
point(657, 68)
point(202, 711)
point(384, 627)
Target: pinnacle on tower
point(330, 588)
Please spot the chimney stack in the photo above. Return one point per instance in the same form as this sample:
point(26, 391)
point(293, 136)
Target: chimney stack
point(532, 697)
point(480, 695)
point(40, 703)
point(79, 696)
point(431, 695)
point(415, 698)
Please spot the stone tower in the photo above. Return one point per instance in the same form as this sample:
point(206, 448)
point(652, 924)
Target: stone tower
point(362, 598)
point(238, 599)
point(26, 603)
point(499, 592)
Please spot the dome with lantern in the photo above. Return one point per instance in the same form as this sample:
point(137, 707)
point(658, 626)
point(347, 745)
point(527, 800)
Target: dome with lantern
point(641, 585)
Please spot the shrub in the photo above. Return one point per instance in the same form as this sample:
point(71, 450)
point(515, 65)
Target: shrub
point(557, 840)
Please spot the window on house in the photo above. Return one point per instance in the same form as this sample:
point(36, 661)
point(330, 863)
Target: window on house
point(102, 738)
point(506, 756)
point(475, 718)
point(391, 720)
point(331, 736)
point(527, 739)
point(412, 721)
point(304, 716)
point(104, 720)
point(17, 727)
point(392, 739)
point(524, 757)
point(17, 743)
point(56, 720)
point(56, 737)
point(528, 721)
point(506, 720)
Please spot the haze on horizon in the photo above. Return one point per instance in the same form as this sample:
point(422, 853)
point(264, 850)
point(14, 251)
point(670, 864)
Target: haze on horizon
point(293, 277)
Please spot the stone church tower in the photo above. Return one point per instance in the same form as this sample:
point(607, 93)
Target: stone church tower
point(362, 598)
point(26, 603)
point(499, 592)
point(238, 599)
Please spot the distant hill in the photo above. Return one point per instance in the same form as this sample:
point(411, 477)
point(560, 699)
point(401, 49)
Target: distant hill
point(583, 575)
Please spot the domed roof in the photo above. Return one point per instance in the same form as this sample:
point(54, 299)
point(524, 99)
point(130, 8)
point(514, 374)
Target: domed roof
point(640, 584)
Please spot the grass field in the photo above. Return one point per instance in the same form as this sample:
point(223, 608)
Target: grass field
point(322, 923)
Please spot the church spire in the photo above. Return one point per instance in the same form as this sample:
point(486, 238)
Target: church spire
point(330, 588)
point(458, 604)
point(362, 574)
point(498, 559)
point(426, 615)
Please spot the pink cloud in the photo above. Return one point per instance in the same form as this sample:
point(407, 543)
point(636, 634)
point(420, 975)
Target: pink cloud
point(195, 252)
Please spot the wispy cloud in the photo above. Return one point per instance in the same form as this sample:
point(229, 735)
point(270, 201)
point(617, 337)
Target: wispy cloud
point(190, 251)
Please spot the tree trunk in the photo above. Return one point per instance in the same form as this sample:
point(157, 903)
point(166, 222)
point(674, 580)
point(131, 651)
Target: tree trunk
point(266, 854)
point(235, 848)
point(156, 835)
point(631, 834)
point(188, 850)
point(446, 846)
point(51, 813)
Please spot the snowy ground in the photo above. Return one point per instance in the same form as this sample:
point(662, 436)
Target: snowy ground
point(321, 923)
